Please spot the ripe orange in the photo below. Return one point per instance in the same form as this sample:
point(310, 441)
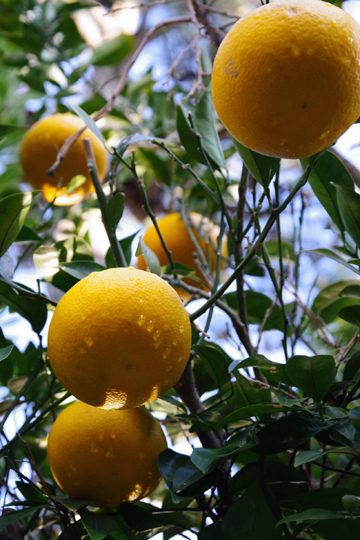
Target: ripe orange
point(286, 78)
point(39, 150)
point(119, 338)
point(181, 245)
point(107, 457)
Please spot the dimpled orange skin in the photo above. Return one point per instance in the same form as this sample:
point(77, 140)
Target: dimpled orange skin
point(286, 78)
point(119, 338)
point(106, 457)
point(39, 150)
point(179, 242)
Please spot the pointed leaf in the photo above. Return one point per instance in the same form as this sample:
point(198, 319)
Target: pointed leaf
point(349, 208)
point(32, 310)
point(7, 519)
point(115, 209)
point(351, 503)
point(187, 136)
point(314, 514)
point(87, 120)
point(351, 314)
point(130, 140)
point(151, 259)
point(314, 375)
point(354, 417)
point(327, 170)
point(332, 255)
point(13, 212)
point(97, 525)
point(205, 126)
point(5, 352)
point(81, 269)
point(263, 168)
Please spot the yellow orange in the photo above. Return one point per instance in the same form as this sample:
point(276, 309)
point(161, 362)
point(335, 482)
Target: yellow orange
point(286, 78)
point(39, 150)
point(119, 338)
point(106, 457)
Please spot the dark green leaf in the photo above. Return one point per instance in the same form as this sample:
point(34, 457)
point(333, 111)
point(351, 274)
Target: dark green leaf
point(263, 168)
point(334, 256)
point(354, 417)
point(81, 269)
point(97, 525)
point(311, 455)
point(312, 515)
point(314, 375)
point(349, 208)
point(215, 363)
point(250, 517)
point(9, 128)
point(352, 290)
point(288, 432)
point(350, 314)
point(30, 492)
point(273, 371)
point(187, 136)
point(32, 310)
point(115, 209)
point(13, 211)
point(351, 503)
point(259, 410)
point(125, 244)
point(351, 367)
point(327, 170)
point(7, 519)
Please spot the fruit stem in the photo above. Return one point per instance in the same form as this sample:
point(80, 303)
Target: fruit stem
point(118, 253)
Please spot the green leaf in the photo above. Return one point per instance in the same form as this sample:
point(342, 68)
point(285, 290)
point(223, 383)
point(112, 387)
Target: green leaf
point(5, 352)
point(205, 126)
point(349, 208)
point(314, 375)
point(115, 209)
point(288, 432)
point(81, 269)
point(350, 314)
point(274, 371)
point(331, 299)
point(263, 168)
point(88, 121)
point(187, 136)
point(13, 212)
point(32, 310)
point(351, 503)
point(75, 183)
point(311, 455)
point(30, 492)
point(354, 417)
point(327, 170)
point(215, 363)
point(334, 256)
point(151, 259)
point(351, 290)
point(313, 514)
point(125, 244)
point(250, 517)
point(97, 525)
point(131, 140)
point(351, 367)
point(245, 413)
point(7, 519)
point(5, 129)
point(113, 52)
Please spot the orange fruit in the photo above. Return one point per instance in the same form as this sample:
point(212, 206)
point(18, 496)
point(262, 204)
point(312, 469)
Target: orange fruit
point(182, 247)
point(286, 78)
point(38, 152)
point(119, 338)
point(107, 457)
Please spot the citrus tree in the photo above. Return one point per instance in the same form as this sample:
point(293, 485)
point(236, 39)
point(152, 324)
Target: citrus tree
point(246, 277)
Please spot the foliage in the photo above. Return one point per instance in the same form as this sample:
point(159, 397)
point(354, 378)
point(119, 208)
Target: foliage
point(271, 390)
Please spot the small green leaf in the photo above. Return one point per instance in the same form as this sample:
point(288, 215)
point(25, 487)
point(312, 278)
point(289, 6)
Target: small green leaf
point(263, 168)
point(351, 503)
point(87, 120)
point(97, 525)
point(115, 209)
point(131, 140)
point(314, 375)
point(351, 314)
point(351, 367)
point(13, 212)
point(5, 129)
point(151, 259)
point(311, 455)
point(354, 417)
point(113, 52)
point(205, 126)
point(75, 183)
point(327, 169)
point(349, 208)
point(5, 352)
point(81, 269)
point(32, 310)
point(7, 519)
point(187, 136)
point(313, 514)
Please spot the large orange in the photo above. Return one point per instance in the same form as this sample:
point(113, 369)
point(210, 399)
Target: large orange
point(39, 151)
point(183, 249)
point(107, 457)
point(286, 78)
point(119, 338)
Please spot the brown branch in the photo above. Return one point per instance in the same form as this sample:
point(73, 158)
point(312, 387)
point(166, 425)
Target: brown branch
point(198, 85)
